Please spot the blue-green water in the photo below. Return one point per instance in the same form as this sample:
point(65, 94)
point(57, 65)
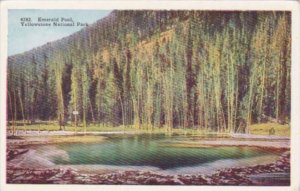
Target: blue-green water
point(147, 150)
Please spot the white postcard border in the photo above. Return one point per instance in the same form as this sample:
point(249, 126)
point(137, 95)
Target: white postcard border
point(292, 6)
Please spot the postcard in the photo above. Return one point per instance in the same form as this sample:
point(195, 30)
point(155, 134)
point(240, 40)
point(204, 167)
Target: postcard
point(160, 94)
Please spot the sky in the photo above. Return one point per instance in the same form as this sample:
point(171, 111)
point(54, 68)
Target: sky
point(24, 38)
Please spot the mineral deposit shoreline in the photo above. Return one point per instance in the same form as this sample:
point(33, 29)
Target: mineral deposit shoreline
point(48, 173)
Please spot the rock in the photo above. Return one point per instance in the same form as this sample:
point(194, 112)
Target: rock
point(151, 180)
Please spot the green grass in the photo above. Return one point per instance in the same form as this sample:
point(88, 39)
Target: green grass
point(76, 139)
point(106, 128)
point(263, 129)
point(256, 129)
point(55, 127)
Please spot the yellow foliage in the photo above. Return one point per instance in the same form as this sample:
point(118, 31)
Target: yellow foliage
point(76, 139)
point(264, 128)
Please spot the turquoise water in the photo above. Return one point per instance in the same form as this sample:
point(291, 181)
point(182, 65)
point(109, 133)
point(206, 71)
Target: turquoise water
point(147, 150)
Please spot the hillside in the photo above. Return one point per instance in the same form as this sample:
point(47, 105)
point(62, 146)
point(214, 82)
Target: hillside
point(220, 71)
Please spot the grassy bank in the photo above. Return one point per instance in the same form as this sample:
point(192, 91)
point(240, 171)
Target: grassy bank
point(255, 129)
point(264, 129)
point(58, 139)
point(76, 139)
point(104, 128)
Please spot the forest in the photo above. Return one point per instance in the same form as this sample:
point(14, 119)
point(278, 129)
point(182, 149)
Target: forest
point(213, 70)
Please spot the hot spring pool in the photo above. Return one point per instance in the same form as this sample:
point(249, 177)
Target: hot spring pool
point(154, 151)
